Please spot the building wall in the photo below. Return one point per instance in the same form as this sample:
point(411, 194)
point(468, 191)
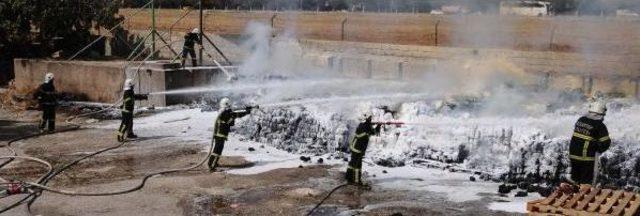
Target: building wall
point(95, 81)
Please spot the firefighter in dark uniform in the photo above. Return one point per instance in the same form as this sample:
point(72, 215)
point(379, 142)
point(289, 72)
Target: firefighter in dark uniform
point(226, 118)
point(590, 136)
point(190, 39)
point(358, 147)
point(46, 96)
point(128, 103)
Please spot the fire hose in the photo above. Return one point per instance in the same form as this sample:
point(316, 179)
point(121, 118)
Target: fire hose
point(41, 183)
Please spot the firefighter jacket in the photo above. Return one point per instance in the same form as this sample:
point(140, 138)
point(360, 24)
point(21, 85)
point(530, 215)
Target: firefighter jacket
point(46, 94)
point(128, 100)
point(589, 136)
point(225, 120)
point(360, 141)
point(190, 39)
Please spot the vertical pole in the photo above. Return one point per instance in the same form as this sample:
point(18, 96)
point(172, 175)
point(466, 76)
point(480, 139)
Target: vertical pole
point(553, 32)
point(201, 32)
point(153, 29)
point(344, 22)
point(436, 36)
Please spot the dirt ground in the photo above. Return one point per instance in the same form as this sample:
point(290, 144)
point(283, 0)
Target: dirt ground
point(288, 191)
point(608, 35)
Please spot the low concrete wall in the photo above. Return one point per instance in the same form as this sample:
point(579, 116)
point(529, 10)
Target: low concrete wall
point(614, 74)
point(96, 81)
point(103, 81)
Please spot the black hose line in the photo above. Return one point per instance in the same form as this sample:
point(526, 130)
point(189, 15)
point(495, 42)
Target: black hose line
point(326, 197)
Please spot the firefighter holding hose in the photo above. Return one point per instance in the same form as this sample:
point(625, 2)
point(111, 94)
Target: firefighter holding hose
point(590, 136)
point(128, 103)
point(190, 39)
point(226, 118)
point(46, 96)
point(358, 147)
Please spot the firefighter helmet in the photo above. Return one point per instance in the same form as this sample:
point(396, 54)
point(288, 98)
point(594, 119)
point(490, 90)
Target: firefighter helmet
point(225, 103)
point(195, 31)
point(599, 107)
point(48, 77)
point(128, 84)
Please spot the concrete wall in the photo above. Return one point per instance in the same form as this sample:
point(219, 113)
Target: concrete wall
point(103, 81)
point(615, 74)
point(96, 81)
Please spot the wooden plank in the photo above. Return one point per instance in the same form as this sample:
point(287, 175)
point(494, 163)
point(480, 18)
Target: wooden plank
point(561, 200)
point(612, 201)
point(577, 197)
point(583, 203)
point(633, 209)
point(550, 198)
point(599, 199)
point(623, 203)
point(531, 204)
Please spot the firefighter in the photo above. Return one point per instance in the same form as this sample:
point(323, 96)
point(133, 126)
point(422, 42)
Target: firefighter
point(226, 118)
point(590, 136)
point(358, 147)
point(128, 102)
point(190, 39)
point(46, 96)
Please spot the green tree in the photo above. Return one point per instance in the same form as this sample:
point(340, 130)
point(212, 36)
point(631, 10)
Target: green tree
point(38, 28)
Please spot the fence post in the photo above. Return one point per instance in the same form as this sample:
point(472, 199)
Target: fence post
point(344, 22)
point(436, 38)
point(273, 24)
point(553, 32)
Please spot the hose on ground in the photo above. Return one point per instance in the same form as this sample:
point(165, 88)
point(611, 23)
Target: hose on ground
point(325, 198)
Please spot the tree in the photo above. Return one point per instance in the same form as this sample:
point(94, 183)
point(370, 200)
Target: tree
point(38, 28)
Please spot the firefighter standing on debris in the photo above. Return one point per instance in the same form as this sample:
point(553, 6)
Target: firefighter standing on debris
point(46, 96)
point(128, 103)
point(226, 118)
point(358, 147)
point(190, 39)
point(590, 136)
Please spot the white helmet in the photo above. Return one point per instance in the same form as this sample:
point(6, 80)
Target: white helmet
point(366, 115)
point(598, 107)
point(225, 103)
point(195, 31)
point(48, 77)
point(128, 84)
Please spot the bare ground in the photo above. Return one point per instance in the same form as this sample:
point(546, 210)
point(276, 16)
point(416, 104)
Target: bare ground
point(291, 191)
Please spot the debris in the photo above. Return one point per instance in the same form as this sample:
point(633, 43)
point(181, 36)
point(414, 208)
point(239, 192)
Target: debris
point(251, 149)
point(521, 194)
point(305, 158)
point(384, 171)
point(472, 178)
point(261, 146)
point(506, 188)
point(300, 166)
point(91, 121)
point(320, 160)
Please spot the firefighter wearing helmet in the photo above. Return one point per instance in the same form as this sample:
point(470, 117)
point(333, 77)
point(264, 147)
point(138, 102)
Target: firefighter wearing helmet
point(190, 39)
point(226, 118)
point(128, 103)
point(358, 147)
point(46, 96)
point(590, 136)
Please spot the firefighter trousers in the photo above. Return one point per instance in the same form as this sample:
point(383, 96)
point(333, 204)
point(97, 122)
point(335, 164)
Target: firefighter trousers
point(48, 118)
point(126, 126)
point(190, 52)
point(582, 171)
point(217, 153)
point(354, 170)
